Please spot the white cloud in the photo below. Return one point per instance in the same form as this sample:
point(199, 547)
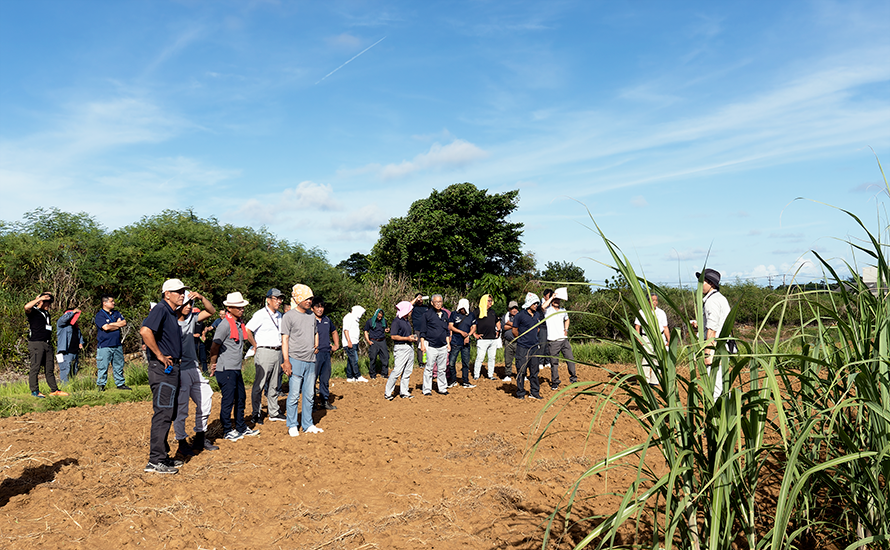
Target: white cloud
point(688, 254)
point(639, 201)
point(456, 154)
point(307, 195)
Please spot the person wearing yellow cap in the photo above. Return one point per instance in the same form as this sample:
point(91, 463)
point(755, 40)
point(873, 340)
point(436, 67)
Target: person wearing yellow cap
point(299, 340)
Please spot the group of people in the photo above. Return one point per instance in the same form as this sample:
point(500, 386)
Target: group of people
point(69, 344)
point(299, 341)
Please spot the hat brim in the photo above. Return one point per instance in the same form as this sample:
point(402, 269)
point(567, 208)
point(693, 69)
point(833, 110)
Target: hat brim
point(236, 304)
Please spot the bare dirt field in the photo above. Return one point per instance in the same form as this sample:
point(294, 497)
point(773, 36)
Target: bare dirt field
point(441, 472)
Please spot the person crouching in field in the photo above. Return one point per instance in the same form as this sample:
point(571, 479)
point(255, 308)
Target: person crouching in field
point(299, 340)
point(192, 383)
point(403, 351)
point(226, 356)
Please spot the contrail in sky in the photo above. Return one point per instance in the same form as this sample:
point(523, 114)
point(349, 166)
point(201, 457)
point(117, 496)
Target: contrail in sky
point(356, 55)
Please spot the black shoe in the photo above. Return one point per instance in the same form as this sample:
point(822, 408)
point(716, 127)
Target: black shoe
point(172, 462)
point(442, 392)
point(278, 418)
point(125, 388)
point(257, 418)
point(408, 396)
point(160, 468)
point(328, 406)
point(184, 449)
point(389, 397)
point(200, 443)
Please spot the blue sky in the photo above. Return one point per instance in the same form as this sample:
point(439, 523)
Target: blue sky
point(687, 129)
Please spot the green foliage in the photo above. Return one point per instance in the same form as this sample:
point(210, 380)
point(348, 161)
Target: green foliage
point(563, 273)
point(355, 266)
point(794, 454)
point(451, 238)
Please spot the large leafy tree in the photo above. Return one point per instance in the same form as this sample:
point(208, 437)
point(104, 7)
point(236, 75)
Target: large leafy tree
point(452, 238)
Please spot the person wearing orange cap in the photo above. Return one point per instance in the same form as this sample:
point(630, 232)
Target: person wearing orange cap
point(299, 340)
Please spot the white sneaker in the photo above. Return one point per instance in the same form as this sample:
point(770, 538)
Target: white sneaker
point(350, 379)
point(293, 432)
point(314, 430)
point(361, 379)
point(506, 379)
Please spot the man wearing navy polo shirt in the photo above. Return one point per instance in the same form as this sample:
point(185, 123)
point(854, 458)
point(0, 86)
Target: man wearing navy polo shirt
point(525, 330)
point(434, 342)
point(160, 332)
point(326, 331)
point(109, 323)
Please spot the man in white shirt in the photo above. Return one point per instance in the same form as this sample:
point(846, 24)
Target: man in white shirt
point(715, 310)
point(662, 322)
point(557, 322)
point(265, 325)
point(351, 337)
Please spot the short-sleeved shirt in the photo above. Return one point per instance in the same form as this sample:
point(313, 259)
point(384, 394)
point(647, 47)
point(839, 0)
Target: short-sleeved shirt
point(556, 323)
point(324, 327)
point(522, 323)
point(189, 351)
point(350, 324)
point(231, 353)
point(162, 322)
point(375, 333)
point(508, 334)
point(660, 317)
point(39, 329)
point(417, 315)
point(300, 331)
point(487, 326)
point(461, 321)
point(435, 328)
point(109, 338)
point(400, 327)
point(266, 328)
point(715, 309)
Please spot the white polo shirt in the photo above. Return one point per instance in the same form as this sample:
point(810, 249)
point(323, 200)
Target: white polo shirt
point(266, 328)
point(556, 324)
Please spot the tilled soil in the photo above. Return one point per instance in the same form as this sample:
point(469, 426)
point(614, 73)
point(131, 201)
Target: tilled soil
point(438, 472)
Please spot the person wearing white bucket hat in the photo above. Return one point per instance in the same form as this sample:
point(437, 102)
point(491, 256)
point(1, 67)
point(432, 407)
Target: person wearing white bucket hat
point(226, 357)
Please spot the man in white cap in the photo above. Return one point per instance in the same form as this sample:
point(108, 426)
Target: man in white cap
point(192, 383)
point(163, 342)
point(401, 335)
point(558, 338)
point(525, 331)
point(351, 336)
point(434, 342)
point(299, 341)
point(715, 310)
point(226, 362)
point(661, 328)
point(462, 325)
point(265, 325)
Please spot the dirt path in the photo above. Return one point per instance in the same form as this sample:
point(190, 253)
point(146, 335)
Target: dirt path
point(438, 472)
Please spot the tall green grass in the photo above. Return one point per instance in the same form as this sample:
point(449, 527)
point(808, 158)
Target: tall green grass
point(794, 454)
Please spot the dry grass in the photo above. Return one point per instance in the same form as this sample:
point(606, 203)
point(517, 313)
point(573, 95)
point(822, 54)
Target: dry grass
point(483, 446)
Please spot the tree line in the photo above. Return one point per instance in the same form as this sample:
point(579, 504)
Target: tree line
point(458, 242)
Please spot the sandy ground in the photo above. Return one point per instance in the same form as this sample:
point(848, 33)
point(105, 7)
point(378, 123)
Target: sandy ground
point(438, 472)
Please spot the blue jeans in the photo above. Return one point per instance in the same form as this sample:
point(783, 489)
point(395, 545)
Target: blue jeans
point(114, 355)
point(464, 350)
point(323, 373)
point(352, 371)
point(68, 366)
point(301, 381)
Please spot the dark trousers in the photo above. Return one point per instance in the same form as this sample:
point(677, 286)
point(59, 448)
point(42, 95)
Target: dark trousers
point(542, 345)
point(525, 362)
point(231, 389)
point(378, 349)
point(164, 399)
point(451, 372)
point(509, 353)
point(41, 355)
point(323, 373)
